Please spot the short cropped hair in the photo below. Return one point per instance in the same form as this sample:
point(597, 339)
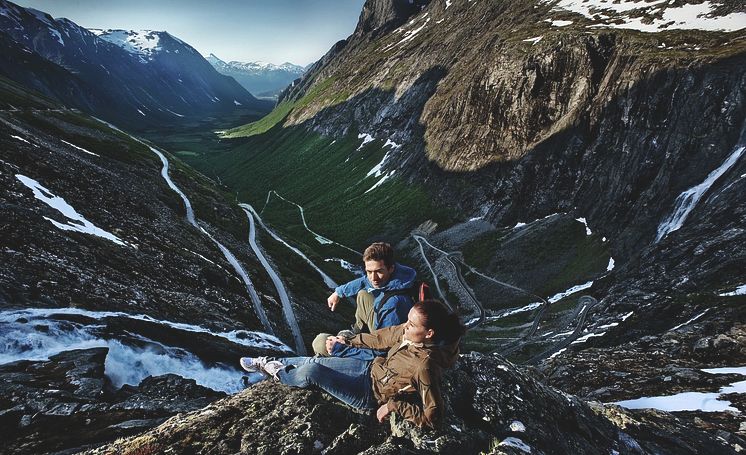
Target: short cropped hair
point(380, 251)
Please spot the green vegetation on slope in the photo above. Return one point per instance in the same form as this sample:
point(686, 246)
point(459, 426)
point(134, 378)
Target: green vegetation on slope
point(329, 178)
point(262, 125)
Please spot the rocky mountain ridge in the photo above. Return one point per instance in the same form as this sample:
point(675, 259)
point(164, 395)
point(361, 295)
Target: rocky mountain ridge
point(260, 78)
point(171, 84)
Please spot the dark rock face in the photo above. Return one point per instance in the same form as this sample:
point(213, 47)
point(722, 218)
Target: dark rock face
point(382, 16)
point(491, 407)
point(103, 79)
point(67, 402)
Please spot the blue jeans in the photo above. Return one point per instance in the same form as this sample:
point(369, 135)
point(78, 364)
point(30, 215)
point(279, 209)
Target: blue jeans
point(346, 379)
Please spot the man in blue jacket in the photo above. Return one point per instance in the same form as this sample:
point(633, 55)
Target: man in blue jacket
point(381, 296)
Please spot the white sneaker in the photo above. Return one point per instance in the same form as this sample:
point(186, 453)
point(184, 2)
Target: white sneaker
point(272, 368)
point(253, 364)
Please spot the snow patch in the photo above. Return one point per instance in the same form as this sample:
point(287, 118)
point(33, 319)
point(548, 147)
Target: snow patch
point(558, 23)
point(741, 290)
point(572, 290)
point(19, 138)
point(517, 426)
point(380, 182)
point(587, 337)
point(56, 35)
point(350, 267)
point(79, 148)
point(236, 103)
point(410, 34)
point(689, 401)
point(392, 144)
point(366, 138)
point(533, 41)
point(176, 114)
point(516, 444)
point(523, 309)
point(619, 14)
point(77, 222)
point(610, 267)
point(142, 43)
point(608, 326)
point(690, 320)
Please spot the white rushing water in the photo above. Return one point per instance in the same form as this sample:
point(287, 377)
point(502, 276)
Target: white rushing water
point(242, 337)
point(228, 255)
point(287, 307)
point(687, 200)
point(32, 335)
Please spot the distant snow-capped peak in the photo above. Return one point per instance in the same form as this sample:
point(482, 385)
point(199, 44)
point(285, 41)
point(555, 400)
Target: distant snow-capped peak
point(255, 67)
point(143, 43)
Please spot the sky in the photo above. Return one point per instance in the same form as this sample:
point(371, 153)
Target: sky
point(275, 31)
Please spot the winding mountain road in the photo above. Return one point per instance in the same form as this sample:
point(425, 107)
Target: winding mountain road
point(588, 302)
point(287, 307)
point(226, 252)
point(319, 238)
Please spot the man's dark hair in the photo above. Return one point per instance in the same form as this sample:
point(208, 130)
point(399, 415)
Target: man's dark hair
point(380, 251)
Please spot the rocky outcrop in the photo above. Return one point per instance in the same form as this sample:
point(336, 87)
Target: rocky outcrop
point(381, 16)
point(67, 402)
point(492, 407)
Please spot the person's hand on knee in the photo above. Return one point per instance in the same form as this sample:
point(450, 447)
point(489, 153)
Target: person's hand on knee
point(331, 341)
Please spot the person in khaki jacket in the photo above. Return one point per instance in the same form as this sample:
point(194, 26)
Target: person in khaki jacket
point(407, 381)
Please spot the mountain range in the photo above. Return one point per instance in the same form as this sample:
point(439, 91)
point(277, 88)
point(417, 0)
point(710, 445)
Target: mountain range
point(137, 79)
point(260, 78)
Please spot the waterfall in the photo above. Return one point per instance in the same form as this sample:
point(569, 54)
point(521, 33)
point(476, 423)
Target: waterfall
point(687, 200)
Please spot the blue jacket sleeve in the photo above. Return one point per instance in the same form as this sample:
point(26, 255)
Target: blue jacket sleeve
point(341, 350)
point(352, 288)
point(394, 311)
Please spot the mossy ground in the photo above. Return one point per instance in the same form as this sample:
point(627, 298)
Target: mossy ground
point(329, 178)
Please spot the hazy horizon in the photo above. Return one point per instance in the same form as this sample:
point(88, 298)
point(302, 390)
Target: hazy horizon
point(276, 31)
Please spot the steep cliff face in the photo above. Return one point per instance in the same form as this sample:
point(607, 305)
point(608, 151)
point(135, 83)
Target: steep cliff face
point(541, 110)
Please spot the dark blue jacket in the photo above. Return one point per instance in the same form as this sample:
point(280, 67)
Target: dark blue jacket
point(390, 313)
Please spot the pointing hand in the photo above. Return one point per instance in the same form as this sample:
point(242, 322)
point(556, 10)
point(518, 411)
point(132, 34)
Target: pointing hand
point(333, 300)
